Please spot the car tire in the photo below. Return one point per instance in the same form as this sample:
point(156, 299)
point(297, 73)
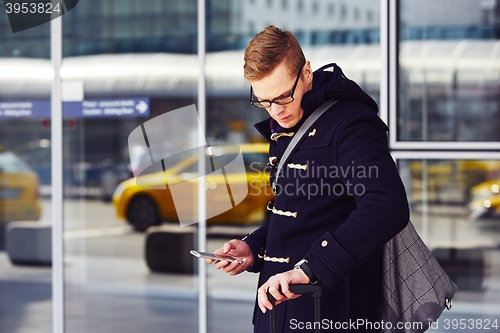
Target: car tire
point(143, 213)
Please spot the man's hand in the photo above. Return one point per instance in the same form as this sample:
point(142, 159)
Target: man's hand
point(236, 248)
point(283, 280)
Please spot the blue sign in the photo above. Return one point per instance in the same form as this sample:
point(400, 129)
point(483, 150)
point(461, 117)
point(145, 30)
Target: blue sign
point(109, 108)
point(102, 108)
point(25, 109)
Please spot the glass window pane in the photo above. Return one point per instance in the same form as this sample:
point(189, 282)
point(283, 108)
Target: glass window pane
point(449, 74)
point(455, 206)
point(343, 32)
point(118, 278)
point(25, 203)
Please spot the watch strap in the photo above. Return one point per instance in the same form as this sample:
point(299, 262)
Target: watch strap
point(307, 270)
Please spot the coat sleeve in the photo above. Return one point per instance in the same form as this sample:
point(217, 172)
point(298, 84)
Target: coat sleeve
point(257, 242)
point(381, 204)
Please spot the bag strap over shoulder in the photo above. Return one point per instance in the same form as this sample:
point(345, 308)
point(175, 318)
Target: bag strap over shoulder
point(299, 136)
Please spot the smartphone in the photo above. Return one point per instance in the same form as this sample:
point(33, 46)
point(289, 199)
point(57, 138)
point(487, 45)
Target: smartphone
point(219, 257)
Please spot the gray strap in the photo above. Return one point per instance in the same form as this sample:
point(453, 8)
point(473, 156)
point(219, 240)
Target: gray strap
point(299, 135)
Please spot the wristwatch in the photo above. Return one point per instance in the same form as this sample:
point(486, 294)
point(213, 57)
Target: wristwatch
point(302, 264)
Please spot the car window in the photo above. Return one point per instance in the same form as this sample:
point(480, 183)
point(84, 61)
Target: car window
point(254, 162)
point(144, 160)
point(11, 163)
point(221, 160)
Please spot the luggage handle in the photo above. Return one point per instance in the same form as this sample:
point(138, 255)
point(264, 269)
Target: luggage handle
point(313, 289)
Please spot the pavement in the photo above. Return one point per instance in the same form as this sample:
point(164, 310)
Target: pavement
point(109, 288)
point(119, 294)
point(26, 308)
point(107, 294)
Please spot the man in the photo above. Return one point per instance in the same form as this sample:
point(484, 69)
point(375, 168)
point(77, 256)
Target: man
point(339, 199)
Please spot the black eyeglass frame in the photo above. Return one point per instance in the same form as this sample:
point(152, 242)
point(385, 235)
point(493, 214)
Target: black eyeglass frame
point(258, 104)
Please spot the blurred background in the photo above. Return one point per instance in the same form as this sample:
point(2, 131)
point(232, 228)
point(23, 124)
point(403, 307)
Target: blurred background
point(138, 60)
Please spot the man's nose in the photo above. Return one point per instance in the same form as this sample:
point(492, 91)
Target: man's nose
point(276, 109)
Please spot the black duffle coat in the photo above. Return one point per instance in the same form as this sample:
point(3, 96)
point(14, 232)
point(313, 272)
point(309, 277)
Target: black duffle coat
point(339, 200)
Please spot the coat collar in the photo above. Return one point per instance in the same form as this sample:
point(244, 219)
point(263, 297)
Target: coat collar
point(264, 127)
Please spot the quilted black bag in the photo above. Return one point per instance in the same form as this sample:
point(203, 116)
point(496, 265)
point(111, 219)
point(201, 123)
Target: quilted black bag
point(416, 289)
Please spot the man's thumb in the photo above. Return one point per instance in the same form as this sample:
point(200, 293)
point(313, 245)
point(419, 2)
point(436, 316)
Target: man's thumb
point(227, 247)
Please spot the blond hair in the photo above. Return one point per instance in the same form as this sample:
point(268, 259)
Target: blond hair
point(268, 49)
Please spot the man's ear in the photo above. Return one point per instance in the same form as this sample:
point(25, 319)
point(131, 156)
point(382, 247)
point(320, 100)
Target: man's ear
point(307, 72)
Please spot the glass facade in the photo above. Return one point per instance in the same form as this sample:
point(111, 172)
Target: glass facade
point(25, 272)
point(454, 207)
point(447, 87)
point(449, 71)
point(138, 61)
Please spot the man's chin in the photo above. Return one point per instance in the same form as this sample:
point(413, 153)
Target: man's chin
point(288, 123)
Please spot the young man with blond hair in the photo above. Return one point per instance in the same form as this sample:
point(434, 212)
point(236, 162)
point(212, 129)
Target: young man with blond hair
point(324, 227)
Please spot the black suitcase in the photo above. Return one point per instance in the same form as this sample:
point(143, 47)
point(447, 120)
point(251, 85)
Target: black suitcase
point(315, 290)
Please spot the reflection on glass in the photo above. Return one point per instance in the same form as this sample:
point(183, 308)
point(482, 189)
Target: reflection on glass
point(344, 32)
point(25, 216)
point(449, 74)
point(456, 208)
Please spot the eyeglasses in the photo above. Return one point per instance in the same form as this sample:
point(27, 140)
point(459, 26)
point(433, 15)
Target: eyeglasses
point(282, 100)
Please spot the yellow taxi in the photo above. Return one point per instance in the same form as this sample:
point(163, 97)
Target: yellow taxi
point(19, 189)
point(485, 200)
point(149, 199)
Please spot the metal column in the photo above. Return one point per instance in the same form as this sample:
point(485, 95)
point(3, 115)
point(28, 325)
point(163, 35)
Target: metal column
point(202, 216)
point(57, 179)
point(384, 59)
